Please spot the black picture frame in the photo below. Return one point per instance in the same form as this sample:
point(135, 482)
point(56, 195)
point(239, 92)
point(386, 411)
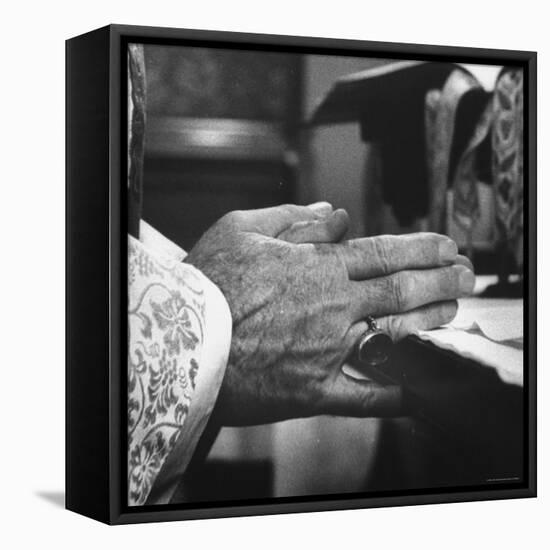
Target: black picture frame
point(96, 279)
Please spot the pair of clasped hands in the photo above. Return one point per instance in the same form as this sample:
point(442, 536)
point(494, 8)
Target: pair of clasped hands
point(299, 295)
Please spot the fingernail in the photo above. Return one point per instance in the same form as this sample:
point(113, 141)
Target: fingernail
point(463, 260)
point(321, 209)
point(451, 309)
point(466, 280)
point(341, 214)
point(448, 250)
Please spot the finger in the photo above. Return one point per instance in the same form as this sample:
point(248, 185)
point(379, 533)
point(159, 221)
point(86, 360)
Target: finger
point(423, 318)
point(400, 325)
point(331, 229)
point(465, 261)
point(408, 290)
point(347, 396)
point(274, 220)
point(377, 256)
point(321, 209)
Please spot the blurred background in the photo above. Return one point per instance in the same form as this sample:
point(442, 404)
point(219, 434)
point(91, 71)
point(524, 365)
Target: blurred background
point(231, 129)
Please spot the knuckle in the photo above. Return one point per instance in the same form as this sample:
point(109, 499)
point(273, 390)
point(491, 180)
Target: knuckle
point(381, 252)
point(398, 290)
point(427, 244)
point(290, 209)
point(232, 219)
point(397, 327)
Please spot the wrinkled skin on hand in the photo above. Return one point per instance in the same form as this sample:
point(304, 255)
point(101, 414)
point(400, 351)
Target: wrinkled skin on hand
point(298, 310)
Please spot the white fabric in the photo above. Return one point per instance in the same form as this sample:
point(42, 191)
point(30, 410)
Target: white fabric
point(498, 319)
point(158, 244)
point(489, 331)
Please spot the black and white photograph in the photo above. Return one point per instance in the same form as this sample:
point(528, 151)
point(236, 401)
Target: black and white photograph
point(326, 275)
point(275, 275)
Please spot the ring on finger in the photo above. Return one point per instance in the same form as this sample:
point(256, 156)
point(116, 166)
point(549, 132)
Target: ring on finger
point(374, 345)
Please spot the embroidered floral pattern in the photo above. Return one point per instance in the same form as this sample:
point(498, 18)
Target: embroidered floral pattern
point(145, 461)
point(172, 316)
point(165, 333)
point(164, 385)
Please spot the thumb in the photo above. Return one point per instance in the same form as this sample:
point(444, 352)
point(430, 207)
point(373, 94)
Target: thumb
point(348, 396)
point(331, 229)
point(272, 221)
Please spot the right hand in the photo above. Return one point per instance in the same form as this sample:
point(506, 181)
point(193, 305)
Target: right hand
point(298, 310)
